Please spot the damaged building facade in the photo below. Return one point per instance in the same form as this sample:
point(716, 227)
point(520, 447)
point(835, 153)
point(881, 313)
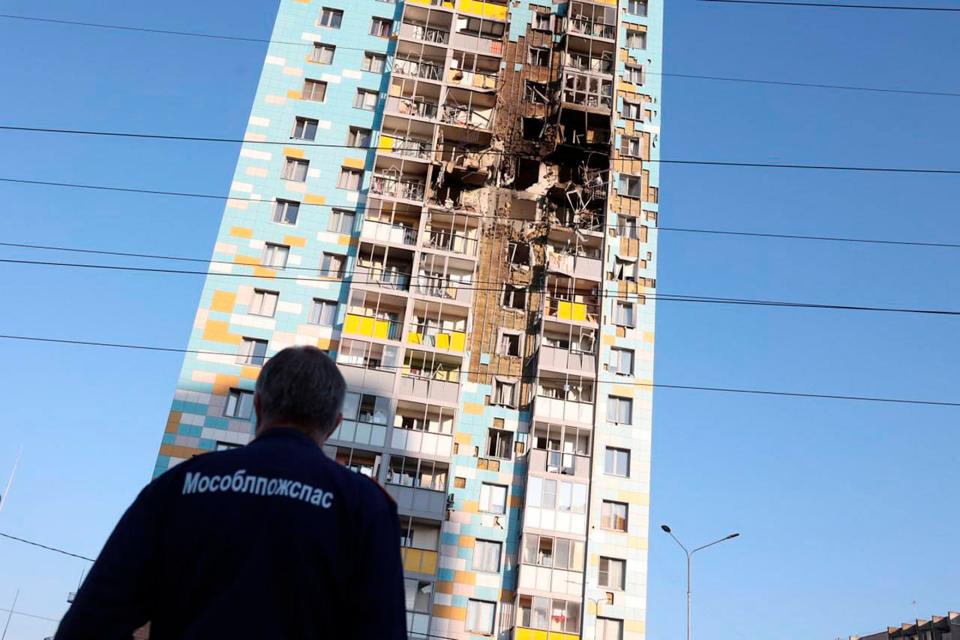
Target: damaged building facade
point(457, 199)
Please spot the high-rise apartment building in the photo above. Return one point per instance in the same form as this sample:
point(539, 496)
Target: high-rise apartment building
point(455, 199)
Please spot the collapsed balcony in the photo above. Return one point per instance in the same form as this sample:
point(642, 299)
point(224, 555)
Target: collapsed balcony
point(595, 21)
point(445, 277)
point(422, 25)
point(393, 185)
point(451, 232)
point(474, 71)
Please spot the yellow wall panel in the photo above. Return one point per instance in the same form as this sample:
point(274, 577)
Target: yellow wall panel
point(223, 301)
point(219, 331)
point(313, 198)
point(249, 373)
point(295, 241)
point(241, 232)
point(353, 163)
point(473, 408)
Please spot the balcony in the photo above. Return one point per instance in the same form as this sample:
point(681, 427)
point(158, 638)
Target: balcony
point(398, 145)
point(430, 335)
point(480, 118)
point(482, 9)
point(593, 21)
point(415, 441)
point(385, 277)
point(564, 463)
point(371, 327)
point(388, 232)
point(445, 239)
point(422, 561)
point(573, 308)
point(412, 107)
point(583, 220)
point(587, 91)
point(431, 375)
point(399, 188)
point(581, 263)
point(573, 360)
point(419, 486)
point(419, 68)
point(480, 80)
point(424, 33)
point(443, 286)
point(564, 400)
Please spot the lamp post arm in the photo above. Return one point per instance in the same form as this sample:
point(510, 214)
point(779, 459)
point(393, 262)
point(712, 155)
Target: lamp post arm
point(711, 544)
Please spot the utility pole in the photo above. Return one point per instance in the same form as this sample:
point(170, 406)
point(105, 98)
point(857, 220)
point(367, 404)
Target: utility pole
point(10, 615)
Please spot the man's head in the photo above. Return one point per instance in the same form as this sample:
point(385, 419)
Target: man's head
point(300, 387)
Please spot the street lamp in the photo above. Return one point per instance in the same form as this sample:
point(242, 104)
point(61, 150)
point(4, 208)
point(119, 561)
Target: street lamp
point(689, 557)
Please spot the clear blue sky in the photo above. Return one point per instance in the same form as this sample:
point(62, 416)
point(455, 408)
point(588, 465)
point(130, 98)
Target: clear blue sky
point(847, 510)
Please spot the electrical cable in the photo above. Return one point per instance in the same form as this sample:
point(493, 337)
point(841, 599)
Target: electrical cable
point(524, 378)
point(836, 5)
point(43, 546)
point(658, 296)
point(813, 85)
point(493, 152)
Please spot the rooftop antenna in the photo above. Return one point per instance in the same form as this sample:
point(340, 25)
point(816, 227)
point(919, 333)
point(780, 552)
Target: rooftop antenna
point(6, 491)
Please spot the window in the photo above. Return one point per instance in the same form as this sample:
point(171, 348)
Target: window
point(252, 351)
point(341, 221)
point(518, 253)
point(541, 21)
point(637, 7)
point(514, 297)
point(275, 255)
point(627, 227)
point(331, 265)
point(305, 129)
point(630, 146)
point(623, 313)
point(374, 62)
point(631, 110)
point(365, 407)
point(323, 312)
point(315, 90)
point(613, 516)
point(535, 92)
point(239, 404)
point(295, 169)
point(483, 28)
point(619, 410)
point(509, 344)
point(365, 99)
point(322, 53)
point(330, 18)
point(557, 495)
point(264, 303)
point(499, 444)
point(493, 498)
point(486, 556)
point(625, 269)
point(504, 393)
point(609, 629)
point(538, 56)
point(545, 551)
point(417, 594)
point(633, 74)
point(480, 616)
point(381, 27)
point(636, 39)
point(286, 211)
point(358, 137)
point(616, 462)
point(621, 361)
point(349, 178)
point(629, 186)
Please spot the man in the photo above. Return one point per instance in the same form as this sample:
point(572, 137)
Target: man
point(272, 541)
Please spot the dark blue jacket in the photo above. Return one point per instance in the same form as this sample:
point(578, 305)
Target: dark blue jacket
point(269, 541)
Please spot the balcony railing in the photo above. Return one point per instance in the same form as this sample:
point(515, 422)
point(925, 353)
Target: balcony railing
point(433, 336)
point(372, 327)
point(387, 277)
point(388, 232)
point(398, 188)
point(562, 462)
point(577, 311)
point(466, 117)
point(583, 62)
point(587, 27)
point(412, 107)
point(419, 560)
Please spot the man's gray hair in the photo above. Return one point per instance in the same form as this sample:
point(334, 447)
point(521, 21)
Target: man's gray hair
point(302, 387)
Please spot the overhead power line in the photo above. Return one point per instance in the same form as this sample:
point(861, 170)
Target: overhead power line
point(683, 387)
point(236, 38)
point(29, 615)
point(839, 5)
point(491, 152)
point(43, 546)
point(658, 296)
